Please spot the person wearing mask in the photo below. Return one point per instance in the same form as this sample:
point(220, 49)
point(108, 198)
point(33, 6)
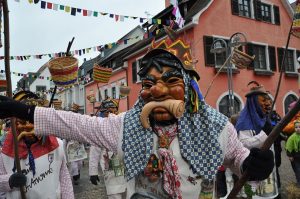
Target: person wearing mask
point(171, 141)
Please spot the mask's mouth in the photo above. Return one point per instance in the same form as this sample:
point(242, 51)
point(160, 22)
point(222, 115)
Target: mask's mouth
point(175, 107)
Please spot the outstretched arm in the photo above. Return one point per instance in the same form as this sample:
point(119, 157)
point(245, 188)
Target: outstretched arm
point(101, 132)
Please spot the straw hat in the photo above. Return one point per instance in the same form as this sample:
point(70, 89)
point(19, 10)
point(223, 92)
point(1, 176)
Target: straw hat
point(256, 89)
point(57, 104)
point(75, 107)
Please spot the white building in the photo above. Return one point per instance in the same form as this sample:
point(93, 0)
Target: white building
point(42, 83)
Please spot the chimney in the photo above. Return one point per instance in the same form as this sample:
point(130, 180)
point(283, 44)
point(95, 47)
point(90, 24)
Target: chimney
point(167, 3)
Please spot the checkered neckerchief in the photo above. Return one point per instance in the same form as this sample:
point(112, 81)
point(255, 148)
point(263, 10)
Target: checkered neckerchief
point(198, 138)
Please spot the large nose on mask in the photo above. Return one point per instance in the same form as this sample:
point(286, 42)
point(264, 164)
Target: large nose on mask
point(159, 90)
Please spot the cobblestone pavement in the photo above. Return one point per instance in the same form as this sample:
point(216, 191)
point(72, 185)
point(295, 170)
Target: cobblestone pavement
point(86, 190)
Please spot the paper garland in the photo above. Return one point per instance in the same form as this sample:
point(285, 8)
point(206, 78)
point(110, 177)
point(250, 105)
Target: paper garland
point(90, 13)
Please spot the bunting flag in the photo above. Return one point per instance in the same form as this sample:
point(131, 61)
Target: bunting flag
point(176, 12)
point(296, 20)
point(89, 13)
point(78, 52)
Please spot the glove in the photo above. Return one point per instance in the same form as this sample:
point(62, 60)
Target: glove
point(17, 180)
point(259, 164)
point(94, 179)
point(13, 108)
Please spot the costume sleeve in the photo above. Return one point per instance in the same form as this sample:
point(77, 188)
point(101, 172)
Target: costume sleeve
point(289, 128)
point(4, 177)
point(94, 160)
point(101, 132)
point(252, 141)
point(235, 152)
point(66, 187)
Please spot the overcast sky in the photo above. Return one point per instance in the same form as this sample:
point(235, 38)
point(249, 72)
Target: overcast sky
point(37, 31)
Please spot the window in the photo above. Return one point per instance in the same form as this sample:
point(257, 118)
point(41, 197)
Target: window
point(114, 93)
point(213, 59)
point(265, 12)
point(224, 105)
point(40, 88)
point(288, 100)
point(105, 94)
point(244, 8)
point(256, 9)
point(265, 57)
point(135, 69)
point(241, 8)
point(260, 57)
point(290, 60)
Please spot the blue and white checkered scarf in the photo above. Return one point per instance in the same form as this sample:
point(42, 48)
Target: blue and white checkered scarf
point(198, 138)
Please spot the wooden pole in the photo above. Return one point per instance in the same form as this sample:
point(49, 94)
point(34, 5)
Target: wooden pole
point(267, 144)
point(9, 87)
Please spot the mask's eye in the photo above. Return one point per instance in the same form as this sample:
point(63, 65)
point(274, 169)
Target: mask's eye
point(147, 85)
point(173, 80)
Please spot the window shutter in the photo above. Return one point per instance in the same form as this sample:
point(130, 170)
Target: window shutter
point(134, 72)
point(276, 15)
point(280, 57)
point(235, 7)
point(297, 54)
point(209, 57)
point(272, 58)
point(249, 51)
point(257, 9)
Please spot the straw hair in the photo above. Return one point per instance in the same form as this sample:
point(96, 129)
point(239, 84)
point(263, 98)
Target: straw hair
point(64, 71)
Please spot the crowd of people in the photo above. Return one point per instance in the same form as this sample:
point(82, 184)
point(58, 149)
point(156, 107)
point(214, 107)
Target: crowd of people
point(170, 144)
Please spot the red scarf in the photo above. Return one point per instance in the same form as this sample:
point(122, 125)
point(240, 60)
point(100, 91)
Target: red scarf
point(37, 148)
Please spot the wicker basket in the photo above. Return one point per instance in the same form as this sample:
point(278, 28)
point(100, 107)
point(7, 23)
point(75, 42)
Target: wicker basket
point(240, 59)
point(57, 104)
point(64, 71)
point(124, 91)
point(101, 74)
point(91, 98)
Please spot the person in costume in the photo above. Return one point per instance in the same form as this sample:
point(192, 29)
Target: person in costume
point(293, 150)
point(111, 165)
point(76, 153)
point(44, 170)
point(250, 128)
point(289, 128)
point(171, 141)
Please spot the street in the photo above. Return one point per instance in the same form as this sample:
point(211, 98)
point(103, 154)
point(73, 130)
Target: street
point(86, 190)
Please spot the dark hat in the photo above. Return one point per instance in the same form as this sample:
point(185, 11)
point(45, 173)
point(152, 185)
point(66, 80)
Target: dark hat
point(29, 98)
point(256, 89)
point(108, 103)
point(178, 50)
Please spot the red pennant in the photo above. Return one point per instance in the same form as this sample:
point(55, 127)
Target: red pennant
point(84, 12)
point(49, 5)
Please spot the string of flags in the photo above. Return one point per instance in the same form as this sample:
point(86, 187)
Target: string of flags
point(49, 5)
point(78, 52)
point(90, 13)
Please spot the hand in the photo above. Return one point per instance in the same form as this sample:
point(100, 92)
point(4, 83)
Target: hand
point(259, 164)
point(94, 179)
point(291, 159)
point(13, 108)
point(17, 180)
